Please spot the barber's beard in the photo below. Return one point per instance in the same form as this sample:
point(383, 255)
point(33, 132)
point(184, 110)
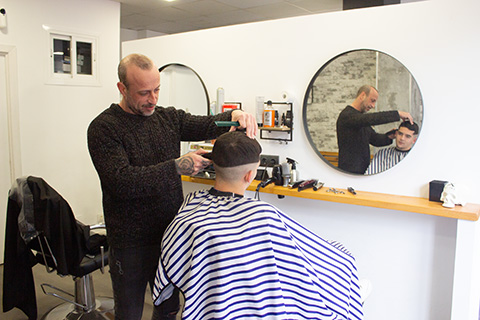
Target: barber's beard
point(142, 110)
point(147, 109)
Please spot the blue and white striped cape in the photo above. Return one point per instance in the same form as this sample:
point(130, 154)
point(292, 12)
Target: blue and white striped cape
point(240, 258)
point(384, 159)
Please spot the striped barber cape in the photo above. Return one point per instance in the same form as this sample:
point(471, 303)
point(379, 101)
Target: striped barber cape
point(240, 258)
point(384, 159)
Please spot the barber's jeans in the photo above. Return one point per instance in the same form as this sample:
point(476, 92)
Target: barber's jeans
point(130, 270)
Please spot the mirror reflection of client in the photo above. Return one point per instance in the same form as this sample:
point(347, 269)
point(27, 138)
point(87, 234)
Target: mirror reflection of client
point(355, 134)
point(236, 257)
point(405, 138)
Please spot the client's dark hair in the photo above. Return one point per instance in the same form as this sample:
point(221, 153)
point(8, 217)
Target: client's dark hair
point(234, 148)
point(413, 127)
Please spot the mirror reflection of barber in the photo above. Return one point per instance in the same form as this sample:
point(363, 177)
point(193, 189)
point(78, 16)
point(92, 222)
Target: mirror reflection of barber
point(355, 134)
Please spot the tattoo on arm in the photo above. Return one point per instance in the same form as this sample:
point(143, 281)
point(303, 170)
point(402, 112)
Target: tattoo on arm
point(184, 165)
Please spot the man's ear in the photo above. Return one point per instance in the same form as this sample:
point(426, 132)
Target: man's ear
point(250, 175)
point(121, 87)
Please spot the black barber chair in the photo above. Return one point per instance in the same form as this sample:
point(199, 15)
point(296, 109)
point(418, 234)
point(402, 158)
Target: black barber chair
point(41, 228)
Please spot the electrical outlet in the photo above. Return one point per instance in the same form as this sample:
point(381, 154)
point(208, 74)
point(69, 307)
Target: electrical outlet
point(268, 160)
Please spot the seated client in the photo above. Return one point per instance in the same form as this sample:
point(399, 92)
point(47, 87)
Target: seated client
point(235, 257)
point(405, 137)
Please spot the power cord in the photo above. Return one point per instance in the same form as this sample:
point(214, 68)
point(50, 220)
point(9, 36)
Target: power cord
point(262, 184)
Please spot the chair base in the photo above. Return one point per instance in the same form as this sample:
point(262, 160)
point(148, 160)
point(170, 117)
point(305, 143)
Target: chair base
point(104, 310)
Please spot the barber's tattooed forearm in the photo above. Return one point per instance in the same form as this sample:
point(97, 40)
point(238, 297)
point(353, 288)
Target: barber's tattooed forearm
point(185, 165)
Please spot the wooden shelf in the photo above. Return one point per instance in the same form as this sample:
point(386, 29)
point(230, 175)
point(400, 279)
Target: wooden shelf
point(370, 199)
point(283, 129)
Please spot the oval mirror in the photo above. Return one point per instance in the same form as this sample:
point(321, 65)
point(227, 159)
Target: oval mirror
point(182, 87)
point(335, 88)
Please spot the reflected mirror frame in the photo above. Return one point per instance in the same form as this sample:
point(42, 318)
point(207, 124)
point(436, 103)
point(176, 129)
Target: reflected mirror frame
point(306, 102)
point(199, 78)
point(304, 111)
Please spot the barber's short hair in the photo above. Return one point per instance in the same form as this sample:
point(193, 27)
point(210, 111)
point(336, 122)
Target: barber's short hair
point(365, 88)
point(412, 127)
point(234, 148)
point(139, 60)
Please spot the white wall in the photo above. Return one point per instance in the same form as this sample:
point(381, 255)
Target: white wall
point(54, 119)
point(410, 258)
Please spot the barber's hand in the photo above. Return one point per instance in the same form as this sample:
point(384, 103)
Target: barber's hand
point(247, 121)
point(192, 163)
point(405, 116)
point(391, 134)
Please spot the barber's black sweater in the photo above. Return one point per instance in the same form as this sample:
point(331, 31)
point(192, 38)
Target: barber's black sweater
point(355, 134)
point(135, 160)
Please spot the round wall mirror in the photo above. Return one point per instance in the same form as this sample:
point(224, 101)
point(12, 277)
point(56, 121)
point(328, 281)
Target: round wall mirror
point(182, 87)
point(334, 88)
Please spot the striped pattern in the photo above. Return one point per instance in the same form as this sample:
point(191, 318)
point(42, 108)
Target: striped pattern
point(384, 159)
point(239, 258)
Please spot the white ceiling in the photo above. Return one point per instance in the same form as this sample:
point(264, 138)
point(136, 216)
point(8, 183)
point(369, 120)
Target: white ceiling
point(188, 15)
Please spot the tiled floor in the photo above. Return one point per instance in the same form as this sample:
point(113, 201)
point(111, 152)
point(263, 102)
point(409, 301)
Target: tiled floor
point(102, 287)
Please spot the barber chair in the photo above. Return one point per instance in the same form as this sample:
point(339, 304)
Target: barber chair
point(41, 228)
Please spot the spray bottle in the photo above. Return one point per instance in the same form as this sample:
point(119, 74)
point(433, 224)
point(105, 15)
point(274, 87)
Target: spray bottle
point(294, 174)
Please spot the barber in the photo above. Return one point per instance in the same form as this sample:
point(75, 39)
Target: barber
point(135, 148)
